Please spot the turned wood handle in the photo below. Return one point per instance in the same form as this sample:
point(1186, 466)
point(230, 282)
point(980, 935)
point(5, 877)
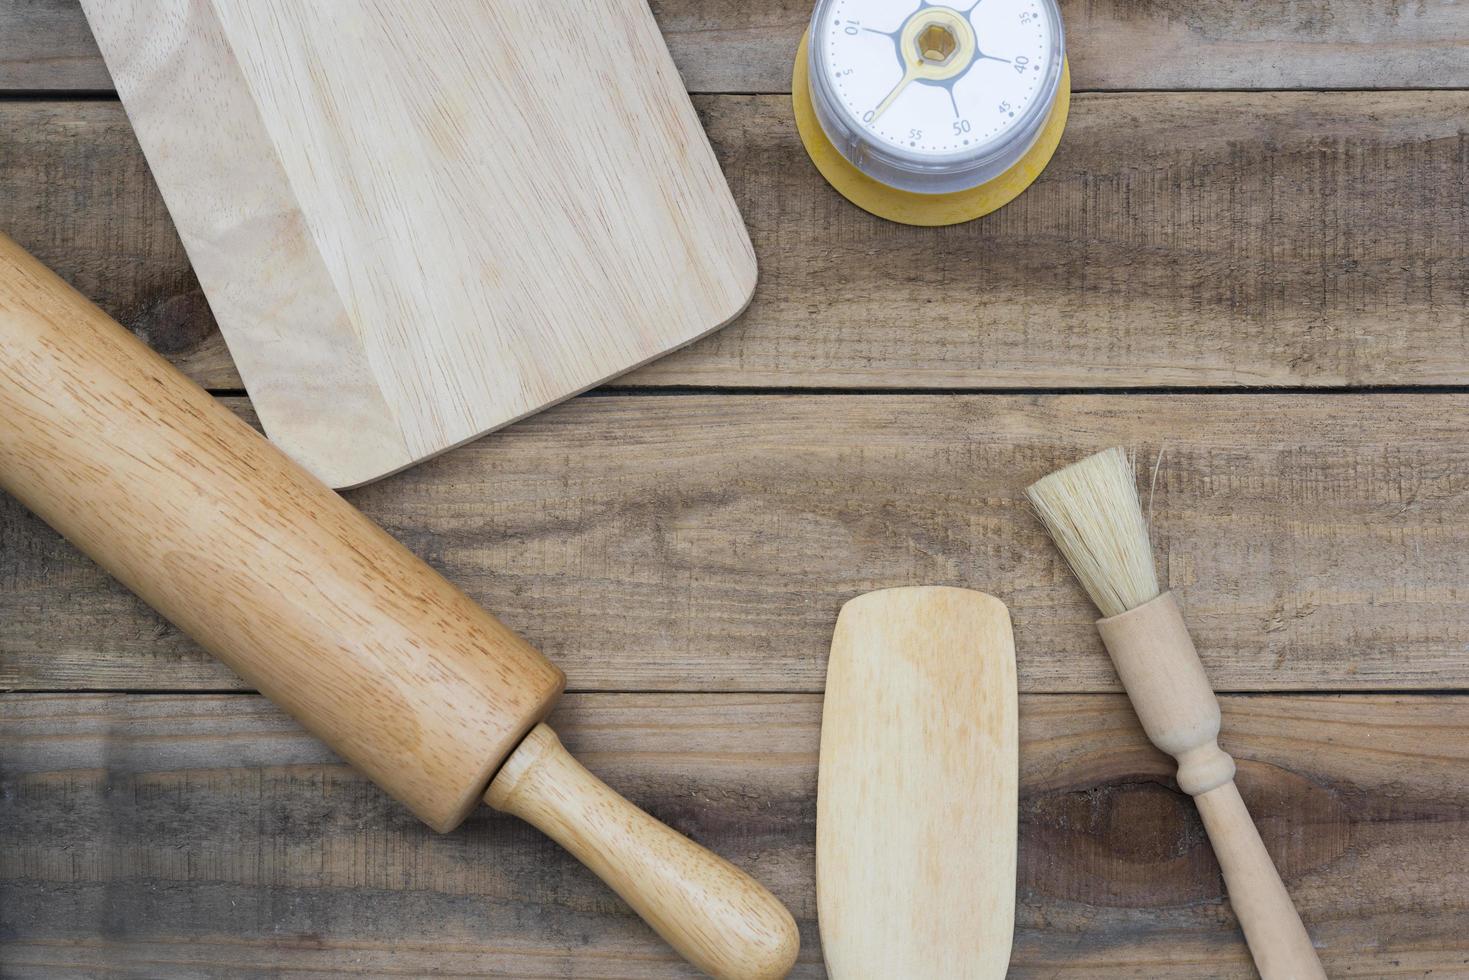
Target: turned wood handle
point(717, 916)
point(1161, 670)
point(1277, 939)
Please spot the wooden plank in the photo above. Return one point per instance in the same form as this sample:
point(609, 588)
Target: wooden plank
point(1221, 239)
point(706, 542)
point(740, 46)
point(747, 45)
point(176, 836)
point(45, 45)
point(80, 197)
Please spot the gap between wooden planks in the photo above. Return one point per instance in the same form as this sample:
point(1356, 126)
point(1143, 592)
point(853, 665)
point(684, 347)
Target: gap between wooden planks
point(1179, 239)
point(181, 833)
point(1276, 239)
point(706, 542)
point(747, 45)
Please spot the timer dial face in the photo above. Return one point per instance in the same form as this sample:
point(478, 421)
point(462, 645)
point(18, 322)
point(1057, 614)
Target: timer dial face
point(935, 81)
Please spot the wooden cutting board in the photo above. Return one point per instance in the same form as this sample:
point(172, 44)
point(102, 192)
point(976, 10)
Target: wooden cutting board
point(917, 792)
point(416, 223)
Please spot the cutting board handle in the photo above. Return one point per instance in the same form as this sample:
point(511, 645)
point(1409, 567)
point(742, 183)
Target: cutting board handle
point(718, 917)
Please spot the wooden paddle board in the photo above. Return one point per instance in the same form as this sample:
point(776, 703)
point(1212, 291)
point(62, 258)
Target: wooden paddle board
point(917, 792)
point(416, 223)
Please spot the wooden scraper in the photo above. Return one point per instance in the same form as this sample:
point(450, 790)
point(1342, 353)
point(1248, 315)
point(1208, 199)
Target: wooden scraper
point(917, 792)
point(417, 222)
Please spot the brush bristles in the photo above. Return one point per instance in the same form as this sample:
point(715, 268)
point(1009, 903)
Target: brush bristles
point(1092, 511)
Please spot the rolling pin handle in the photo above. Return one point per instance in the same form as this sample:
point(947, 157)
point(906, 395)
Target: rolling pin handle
point(714, 914)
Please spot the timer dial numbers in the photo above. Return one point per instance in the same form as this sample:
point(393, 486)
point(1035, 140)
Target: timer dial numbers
point(930, 80)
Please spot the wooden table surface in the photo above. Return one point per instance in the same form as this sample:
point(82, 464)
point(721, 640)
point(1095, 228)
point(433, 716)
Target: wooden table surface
point(1250, 254)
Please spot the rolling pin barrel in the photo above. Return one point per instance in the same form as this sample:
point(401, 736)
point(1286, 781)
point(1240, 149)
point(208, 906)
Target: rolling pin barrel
point(400, 672)
point(310, 602)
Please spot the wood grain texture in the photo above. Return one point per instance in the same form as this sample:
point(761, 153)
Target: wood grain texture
point(368, 648)
point(706, 542)
point(916, 795)
point(173, 836)
point(1166, 684)
point(46, 45)
point(719, 918)
point(231, 200)
point(415, 228)
point(1182, 238)
point(732, 46)
point(267, 569)
point(1221, 239)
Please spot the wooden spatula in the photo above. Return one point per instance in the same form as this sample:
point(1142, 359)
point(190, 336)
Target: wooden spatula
point(916, 797)
point(417, 222)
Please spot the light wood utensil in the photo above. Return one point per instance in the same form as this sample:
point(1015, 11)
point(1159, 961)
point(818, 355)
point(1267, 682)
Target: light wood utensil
point(401, 673)
point(1092, 512)
point(416, 223)
point(917, 791)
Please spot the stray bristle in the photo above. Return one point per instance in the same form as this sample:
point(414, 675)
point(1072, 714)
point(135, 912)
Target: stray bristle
point(1092, 511)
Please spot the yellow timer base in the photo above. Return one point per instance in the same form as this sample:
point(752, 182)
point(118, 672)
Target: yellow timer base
point(906, 207)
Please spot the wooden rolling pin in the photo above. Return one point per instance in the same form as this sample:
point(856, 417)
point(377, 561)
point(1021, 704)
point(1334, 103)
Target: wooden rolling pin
point(400, 672)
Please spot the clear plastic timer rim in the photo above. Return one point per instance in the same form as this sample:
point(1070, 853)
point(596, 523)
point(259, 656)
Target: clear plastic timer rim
point(931, 173)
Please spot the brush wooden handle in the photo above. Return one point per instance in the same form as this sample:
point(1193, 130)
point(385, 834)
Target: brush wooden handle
point(1277, 938)
point(1156, 659)
point(400, 672)
point(719, 918)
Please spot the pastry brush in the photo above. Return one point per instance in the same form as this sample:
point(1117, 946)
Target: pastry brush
point(1092, 512)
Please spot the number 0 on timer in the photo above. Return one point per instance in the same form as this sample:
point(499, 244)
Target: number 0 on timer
point(932, 114)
